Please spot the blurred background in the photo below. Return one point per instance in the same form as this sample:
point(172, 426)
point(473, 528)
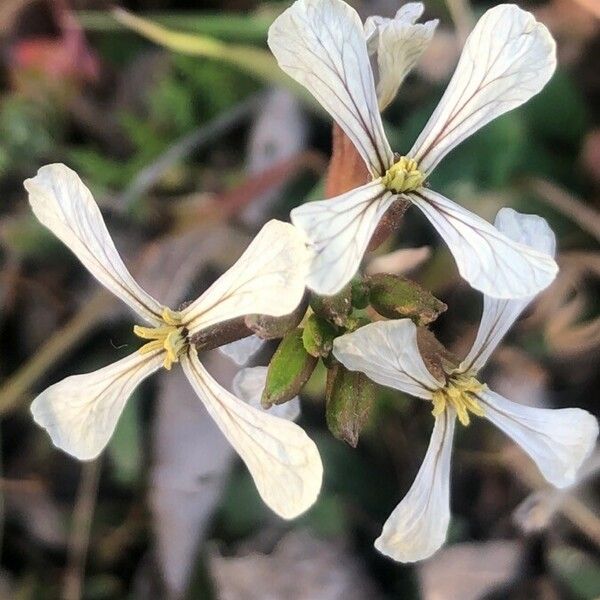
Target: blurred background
point(190, 143)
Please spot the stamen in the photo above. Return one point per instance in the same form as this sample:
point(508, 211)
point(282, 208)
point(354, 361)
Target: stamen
point(404, 176)
point(460, 393)
point(170, 337)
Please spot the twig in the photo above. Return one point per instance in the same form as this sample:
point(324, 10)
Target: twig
point(191, 142)
point(80, 534)
point(12, 392)
point(586, 217)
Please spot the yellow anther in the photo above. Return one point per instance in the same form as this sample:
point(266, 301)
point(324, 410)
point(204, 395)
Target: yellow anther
point(461, 394)
point(169, 337)
point(404, 176)
point(152, 333)
point(171, 317)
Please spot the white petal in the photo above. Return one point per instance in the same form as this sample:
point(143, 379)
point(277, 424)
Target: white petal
point(248, 384)
point(398, 43)
point(268, 279)
point(558, 440)
point(241, 351)
point(62, 203)
point(499, 315)
point(339, 230)
point(507, 59)
point(320, 44)
point(387, 353)
point(418, 525)
point(486, 258)
point(531, 230)
point(282, 459)
point(81, 412)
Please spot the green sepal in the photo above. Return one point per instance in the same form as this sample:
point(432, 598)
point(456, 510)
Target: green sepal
point(360, 294)
point(356, 320)
point(269, 328)
point(289, 369)
point(318, 336)
point(350, 396)
point(396, 297)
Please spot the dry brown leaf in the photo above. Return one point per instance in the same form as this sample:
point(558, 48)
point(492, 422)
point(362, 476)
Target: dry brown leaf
point(301, 567)
point(469, 571)
point(278, 134)
point(563, 306)
point(347, 169)
point(191, 462)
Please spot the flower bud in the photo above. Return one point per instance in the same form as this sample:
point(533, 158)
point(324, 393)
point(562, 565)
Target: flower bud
point(268, 328)
point(318, 336)
point(333, 308)
point(396, 297)
point(350, 396)
point(360, 294)
point(289, 369)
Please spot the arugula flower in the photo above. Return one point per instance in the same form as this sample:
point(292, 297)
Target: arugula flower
point(507, 59)
point(81, 412)
point(557, 440)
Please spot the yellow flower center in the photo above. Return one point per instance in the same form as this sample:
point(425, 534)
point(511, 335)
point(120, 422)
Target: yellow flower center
point(461, 394)
point(170, 337)
point(404, 176)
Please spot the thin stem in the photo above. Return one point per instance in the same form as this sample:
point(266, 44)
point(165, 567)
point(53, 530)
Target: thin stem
point(80, 535)
point(13, 391)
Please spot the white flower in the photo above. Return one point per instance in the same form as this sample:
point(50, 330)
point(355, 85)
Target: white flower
point(398, 44)
point(80, 412)
point(557, 440)
point(506, 60)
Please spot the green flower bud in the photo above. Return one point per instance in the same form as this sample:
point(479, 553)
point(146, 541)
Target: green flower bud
point(350, 396)
point(334, 309)
point(318, 336)
point(289, 369)
point(396, 297)
point(360, 294)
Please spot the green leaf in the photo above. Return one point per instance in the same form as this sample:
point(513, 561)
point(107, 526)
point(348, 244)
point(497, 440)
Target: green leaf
point(224, 25)
point(249, 59)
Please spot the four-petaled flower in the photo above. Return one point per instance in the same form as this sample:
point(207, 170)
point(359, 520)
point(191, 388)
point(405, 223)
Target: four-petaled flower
point(507, 59)
point(387, 352)
point(81, 412)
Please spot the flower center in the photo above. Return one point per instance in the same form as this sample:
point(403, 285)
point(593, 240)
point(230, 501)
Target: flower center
point(404, 176)
point(461, 394)
point(170, 337)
